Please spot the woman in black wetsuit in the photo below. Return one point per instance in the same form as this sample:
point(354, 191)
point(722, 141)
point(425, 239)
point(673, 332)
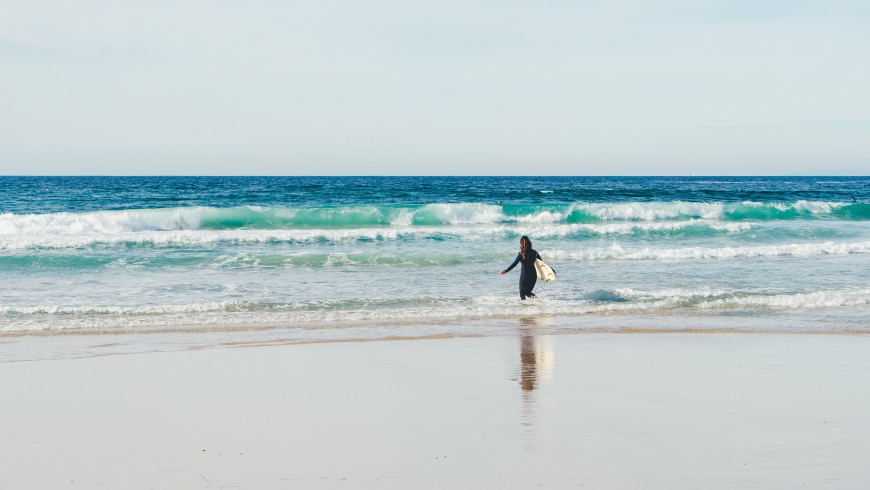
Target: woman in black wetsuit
point(528, 276)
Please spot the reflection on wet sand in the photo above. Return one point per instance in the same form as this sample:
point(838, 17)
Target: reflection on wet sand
point(528, 363)
point(537, 357)
point(537, 362)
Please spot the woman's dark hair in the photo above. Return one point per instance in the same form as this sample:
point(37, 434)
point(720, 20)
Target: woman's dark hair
point(525, 244)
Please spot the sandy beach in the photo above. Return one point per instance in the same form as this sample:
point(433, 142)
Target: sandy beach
point(295, 245)
point(611, 411)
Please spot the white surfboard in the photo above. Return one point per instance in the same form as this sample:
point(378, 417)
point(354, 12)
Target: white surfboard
point(544, 271)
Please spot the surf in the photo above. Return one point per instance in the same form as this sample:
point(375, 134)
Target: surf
point(440, 214)
point(48, 317)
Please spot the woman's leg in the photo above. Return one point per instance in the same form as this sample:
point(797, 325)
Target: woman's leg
point(530, 285)
point(526, 285)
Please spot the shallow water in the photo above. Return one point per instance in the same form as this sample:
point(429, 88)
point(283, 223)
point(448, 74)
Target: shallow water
point(191, 260)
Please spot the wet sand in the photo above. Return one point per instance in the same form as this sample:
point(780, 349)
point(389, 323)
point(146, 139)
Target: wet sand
point(609, 411)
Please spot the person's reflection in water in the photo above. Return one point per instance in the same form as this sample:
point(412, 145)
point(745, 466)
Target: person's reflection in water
point(528, 362)
point(528, 380)
point(536, 361)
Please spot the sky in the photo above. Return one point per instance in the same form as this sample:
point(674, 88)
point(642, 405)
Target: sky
point(472, 87)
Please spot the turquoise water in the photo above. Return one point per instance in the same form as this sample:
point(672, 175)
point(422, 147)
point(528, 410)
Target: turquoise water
point(210, 260)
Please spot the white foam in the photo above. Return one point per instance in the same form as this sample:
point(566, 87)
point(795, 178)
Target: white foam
point(815, 299)
point(194, 237)
point(631, 228)
point(212, 306)
point(542, 217)
point(187, 218)
point(492, 306)
point(465, 213)
point(648, 211)
point(403, 218)
point(635, 294)
point(617, 252)
point(730, 227)
point(101, 222)
point(200, 237)
point(813, 207)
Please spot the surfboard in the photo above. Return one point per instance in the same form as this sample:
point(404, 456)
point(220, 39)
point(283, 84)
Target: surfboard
point(544, 271)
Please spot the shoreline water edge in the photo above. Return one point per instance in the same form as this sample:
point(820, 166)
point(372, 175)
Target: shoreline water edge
point(156, 263)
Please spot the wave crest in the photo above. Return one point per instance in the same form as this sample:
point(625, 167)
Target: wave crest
point(438, 214)
point(617, 252)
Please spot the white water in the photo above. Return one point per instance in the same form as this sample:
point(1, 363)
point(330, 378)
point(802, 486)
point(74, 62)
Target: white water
point(427, 269)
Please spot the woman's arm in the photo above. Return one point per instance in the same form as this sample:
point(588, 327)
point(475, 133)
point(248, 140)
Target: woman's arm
point(516, 261)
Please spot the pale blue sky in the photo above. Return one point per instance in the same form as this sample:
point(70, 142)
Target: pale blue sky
point(761, 87)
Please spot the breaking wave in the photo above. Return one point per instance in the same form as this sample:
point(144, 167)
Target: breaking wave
point(444, 214)
point(205, 237)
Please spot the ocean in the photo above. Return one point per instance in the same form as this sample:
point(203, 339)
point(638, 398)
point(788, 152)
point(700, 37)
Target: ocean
point(106, 265)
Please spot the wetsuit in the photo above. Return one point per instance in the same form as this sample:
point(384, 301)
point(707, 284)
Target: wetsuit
point(528, 276)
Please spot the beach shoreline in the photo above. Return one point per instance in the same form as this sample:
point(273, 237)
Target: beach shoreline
point(598, 410)
point(68, 343)
point(336, 258)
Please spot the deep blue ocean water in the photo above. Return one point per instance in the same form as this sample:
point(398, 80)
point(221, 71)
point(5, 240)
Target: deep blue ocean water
point(23, 195)
point(189, 261)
